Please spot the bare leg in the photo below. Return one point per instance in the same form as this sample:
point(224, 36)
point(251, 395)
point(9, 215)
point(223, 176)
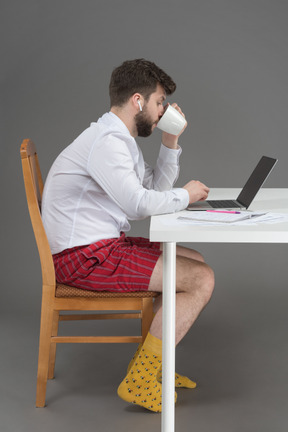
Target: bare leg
point(180, 251)
point(188, 253)
point(194, 287)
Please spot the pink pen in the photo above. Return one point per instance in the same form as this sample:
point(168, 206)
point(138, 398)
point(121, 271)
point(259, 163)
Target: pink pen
point(223, 211)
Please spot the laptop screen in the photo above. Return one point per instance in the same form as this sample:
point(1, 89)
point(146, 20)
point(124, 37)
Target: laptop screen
point(256, 180)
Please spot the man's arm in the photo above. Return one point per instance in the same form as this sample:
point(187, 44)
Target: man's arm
point(166, 172)
point(112, 167)
point(164, 176)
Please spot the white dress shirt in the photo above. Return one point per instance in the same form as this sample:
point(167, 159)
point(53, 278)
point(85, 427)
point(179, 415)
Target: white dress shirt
point(101, 180)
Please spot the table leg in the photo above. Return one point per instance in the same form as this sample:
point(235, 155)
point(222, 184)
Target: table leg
point(168, 350)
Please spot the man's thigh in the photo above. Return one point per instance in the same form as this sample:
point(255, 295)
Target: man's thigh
point(189, 253)
point(189, 272)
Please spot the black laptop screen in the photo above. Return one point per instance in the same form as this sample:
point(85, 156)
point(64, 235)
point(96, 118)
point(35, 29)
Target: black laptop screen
point(256, 180)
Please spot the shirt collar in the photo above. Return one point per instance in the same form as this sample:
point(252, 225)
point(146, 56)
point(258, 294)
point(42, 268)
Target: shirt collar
point(112, 118)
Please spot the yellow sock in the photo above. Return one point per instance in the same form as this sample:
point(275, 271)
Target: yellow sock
point(180, 380)
point(134, 357)
point(140, 386)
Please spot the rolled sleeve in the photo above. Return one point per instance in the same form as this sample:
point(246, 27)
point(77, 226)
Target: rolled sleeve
point(166, 172)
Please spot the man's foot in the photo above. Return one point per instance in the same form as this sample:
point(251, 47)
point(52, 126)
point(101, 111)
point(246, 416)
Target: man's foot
point(180, 380)
point(140, 386)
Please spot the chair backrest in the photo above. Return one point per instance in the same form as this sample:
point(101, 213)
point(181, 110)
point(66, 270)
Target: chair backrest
point(34, 189)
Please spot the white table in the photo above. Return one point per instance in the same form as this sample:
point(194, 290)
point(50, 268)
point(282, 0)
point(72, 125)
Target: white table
point(161, 229)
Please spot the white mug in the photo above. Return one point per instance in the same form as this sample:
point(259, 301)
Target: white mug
point(172, 121)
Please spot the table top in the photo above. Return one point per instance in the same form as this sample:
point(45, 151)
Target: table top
point(271, 200)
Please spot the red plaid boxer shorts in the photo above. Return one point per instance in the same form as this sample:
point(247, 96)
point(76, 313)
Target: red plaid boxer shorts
point(121, 264)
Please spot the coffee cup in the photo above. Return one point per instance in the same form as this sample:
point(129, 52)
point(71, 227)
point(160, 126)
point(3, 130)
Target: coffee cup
point(172, 121)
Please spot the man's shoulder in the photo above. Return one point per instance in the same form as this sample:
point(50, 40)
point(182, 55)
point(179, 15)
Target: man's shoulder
point(108, 131)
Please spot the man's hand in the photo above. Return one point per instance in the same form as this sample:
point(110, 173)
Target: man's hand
point(171, 141)
point(197, 191)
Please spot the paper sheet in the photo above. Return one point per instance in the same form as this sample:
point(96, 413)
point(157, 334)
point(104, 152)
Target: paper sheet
point(255, 218)
point(217, 217)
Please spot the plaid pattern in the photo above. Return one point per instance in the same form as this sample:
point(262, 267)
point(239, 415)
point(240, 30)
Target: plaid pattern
point(123, 264)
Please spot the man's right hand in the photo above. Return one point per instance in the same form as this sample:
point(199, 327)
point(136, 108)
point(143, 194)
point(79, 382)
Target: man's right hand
point(197, 191)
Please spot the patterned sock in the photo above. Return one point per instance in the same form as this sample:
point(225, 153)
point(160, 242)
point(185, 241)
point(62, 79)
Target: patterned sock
point(180, 380)
point(134, 357)
point(140, 386)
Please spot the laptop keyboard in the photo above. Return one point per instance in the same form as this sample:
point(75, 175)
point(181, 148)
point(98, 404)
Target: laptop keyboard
point(223, 204)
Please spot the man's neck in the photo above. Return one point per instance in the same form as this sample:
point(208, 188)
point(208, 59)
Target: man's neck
point(127, 118)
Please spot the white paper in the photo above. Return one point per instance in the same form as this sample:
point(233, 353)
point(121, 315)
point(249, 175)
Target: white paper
point(260, 217)
point(216, 217)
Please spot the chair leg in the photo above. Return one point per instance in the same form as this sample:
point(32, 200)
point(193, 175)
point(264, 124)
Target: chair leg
point(147, 316)
point(53, 345)
point(44, 350)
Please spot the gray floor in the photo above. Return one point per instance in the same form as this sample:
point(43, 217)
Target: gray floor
point(237, 353)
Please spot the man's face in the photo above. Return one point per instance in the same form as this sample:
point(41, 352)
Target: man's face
point(147, 119)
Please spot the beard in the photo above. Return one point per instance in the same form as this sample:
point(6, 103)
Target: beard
point(144, 124)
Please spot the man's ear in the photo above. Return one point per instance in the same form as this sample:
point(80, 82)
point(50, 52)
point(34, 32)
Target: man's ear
point(138, 100)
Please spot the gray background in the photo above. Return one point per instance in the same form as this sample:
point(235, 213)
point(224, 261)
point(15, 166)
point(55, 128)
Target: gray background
point(229, 59)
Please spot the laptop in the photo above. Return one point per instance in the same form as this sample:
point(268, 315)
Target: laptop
point(248, 193)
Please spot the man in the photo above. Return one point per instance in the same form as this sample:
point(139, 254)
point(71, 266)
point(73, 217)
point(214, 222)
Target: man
point(101, 181)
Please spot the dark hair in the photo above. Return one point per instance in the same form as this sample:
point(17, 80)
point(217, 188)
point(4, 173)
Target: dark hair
point(137, 76)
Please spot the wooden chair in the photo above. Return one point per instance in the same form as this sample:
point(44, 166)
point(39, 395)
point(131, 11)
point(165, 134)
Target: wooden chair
point(58, 297)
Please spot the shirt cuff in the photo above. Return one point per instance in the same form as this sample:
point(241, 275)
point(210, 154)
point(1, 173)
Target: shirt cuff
point(183, 197)
point(170, 155)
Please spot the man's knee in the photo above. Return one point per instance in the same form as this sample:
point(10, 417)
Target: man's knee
point(191, 276)
point(197, 277)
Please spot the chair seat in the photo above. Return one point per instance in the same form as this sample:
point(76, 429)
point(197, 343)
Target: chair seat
point(64, 291)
